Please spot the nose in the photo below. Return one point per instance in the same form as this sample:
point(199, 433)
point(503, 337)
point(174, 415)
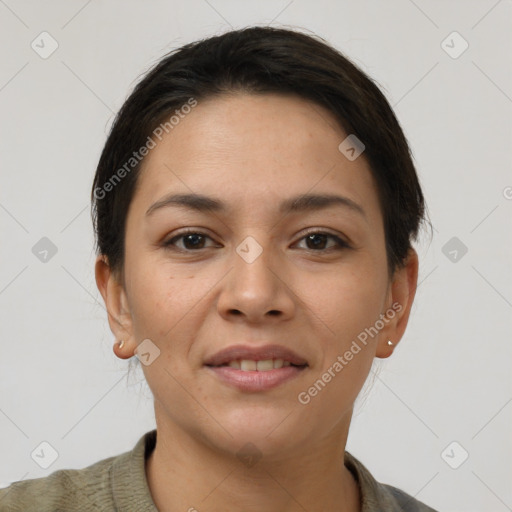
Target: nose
point(256, 291)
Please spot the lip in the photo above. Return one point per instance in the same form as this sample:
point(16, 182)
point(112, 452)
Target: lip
point(255, 380)
point(237, 352)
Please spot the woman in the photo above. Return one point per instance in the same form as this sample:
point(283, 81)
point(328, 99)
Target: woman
point(254, 207)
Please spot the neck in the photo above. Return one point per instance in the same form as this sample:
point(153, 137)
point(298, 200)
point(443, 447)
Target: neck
point(185, 474)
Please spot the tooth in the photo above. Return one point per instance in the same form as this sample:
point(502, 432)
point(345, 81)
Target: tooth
point(247, 365)
point(278, 363)
point(266, 364)
point(234, 364)
point(286, 363)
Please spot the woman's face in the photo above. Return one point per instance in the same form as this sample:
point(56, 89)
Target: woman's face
point(254, 275)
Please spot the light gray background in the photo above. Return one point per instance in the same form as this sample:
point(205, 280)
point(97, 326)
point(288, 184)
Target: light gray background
point(449, 379)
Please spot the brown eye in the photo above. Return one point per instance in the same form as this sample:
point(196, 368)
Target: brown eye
point(190, 241)
point(317, 241)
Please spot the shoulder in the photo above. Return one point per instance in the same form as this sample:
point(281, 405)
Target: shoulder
point(404, 501)
point(376, 497)
point(117, 483)
point(86, 489)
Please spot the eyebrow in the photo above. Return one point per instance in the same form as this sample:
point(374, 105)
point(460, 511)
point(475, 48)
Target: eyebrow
point(301, 203)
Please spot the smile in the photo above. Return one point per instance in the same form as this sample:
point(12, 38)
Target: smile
point(255, 368)
point(256, 376)
point(265, 365)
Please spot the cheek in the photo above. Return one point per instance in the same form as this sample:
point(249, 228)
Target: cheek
point(162, 300)
point(344, 307)
point(349, 303)
point(344, 303)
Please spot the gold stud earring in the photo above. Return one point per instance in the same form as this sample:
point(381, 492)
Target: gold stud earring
point(390, 342)
point(121, 343)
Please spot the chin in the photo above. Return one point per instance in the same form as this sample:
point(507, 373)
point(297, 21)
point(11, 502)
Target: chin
point(263, 426)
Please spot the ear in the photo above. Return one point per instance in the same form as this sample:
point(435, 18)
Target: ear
point(119, 316)
point(401, 294)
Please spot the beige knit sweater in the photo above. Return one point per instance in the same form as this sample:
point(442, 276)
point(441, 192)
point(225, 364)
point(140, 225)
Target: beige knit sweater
point(119, 484)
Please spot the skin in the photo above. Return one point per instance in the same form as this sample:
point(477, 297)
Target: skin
point(252, 152)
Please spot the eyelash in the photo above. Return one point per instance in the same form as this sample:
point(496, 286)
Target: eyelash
point(340, 243)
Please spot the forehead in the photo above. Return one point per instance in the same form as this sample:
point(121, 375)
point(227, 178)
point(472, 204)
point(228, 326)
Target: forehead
point(254, 149)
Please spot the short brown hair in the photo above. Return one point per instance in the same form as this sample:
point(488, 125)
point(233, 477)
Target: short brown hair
point(259, 60)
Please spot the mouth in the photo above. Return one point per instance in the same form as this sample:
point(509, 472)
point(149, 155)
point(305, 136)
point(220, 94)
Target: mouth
point(249, 356)
point(262, 365)
point(256, 369)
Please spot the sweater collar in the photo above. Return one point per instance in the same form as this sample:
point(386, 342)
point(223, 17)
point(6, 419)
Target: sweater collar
point(130, 487)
